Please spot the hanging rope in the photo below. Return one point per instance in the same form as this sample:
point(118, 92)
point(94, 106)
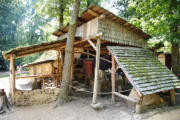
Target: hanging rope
point(99, 93)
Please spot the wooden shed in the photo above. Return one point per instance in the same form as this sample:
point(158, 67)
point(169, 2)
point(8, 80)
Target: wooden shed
point(45, 65)
point(165, 58)
point(99, 33)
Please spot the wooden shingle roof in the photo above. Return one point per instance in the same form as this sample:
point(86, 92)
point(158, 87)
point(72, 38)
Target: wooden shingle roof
point(48, 56)
point(143, 70)
point(95, 11)
point(37, 48)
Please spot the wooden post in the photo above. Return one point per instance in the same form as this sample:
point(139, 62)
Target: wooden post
point(172, 97)
point(12, 77)
point(72, 71)
point(95, 90)
point(59, 68)
point(61, 64)
point(125, 97)
point(139, 106)
point(113, 78)
point(43, 82)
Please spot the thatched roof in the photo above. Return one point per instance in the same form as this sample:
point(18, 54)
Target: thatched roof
point(143, 70)
point(46, 57)
point(94, 11)
point(33, 49)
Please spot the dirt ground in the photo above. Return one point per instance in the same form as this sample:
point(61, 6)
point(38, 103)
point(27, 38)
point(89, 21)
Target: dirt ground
point(4, 73)
point(4, 81)
point(79, 109)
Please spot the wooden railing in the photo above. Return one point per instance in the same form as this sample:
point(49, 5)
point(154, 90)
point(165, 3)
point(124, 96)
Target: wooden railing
point(42, 77)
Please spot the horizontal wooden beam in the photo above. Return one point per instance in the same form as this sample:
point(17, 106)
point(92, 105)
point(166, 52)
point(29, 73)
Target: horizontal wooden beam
point(75, 43)
point(92, 55)
point(88, 45)
point(36, 76)
point(35, 52)
point(95, 36)
point(41, 48)
point(81, 19)
point(92, 12)
point(125, 97)
point(103, 16)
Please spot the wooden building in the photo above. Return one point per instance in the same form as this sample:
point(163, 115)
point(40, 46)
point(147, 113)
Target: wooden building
point(45, 65)
point(165, 58)
point(100, 32)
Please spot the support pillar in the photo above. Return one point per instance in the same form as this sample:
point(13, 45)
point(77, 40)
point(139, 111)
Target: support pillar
point(59, 68)
point(12, 77)
point(172, 97)
point(95, 90)
point(113, 78)
point(139, 106)
point(72, 71)
point(62, 63)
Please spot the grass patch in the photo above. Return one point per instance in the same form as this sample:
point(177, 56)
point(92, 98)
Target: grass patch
point(4, 76)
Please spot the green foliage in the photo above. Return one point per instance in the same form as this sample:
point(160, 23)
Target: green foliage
point(21, 26)
point(93, 2)
point(154, 17)
point(51, 8)
point(28, 22)
point(12, 13)
point(122, 7)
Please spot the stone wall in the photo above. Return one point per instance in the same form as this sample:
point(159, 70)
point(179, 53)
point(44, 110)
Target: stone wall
point(38, 96)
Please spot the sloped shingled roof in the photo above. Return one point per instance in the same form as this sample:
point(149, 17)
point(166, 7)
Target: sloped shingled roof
point(48, 56)
point(145, 72)
point(87, 16)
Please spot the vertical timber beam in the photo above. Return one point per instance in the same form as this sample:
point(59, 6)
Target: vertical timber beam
point(43, 82)
point(95, 90)
point(59, 69)
point(72, 71)
point(61, 65)
point(113, 78)
point(172, 97)
point(139, 105)
point(12, 77)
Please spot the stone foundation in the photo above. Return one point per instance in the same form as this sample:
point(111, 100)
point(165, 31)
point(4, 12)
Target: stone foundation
point(38, 96)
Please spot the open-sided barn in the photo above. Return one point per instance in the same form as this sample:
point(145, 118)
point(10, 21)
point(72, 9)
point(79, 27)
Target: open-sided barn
point(100, 31)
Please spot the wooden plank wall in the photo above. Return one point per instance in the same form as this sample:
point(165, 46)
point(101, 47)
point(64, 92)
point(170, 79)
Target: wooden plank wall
point(45, 69)
point(114, 32)
point(89, 28)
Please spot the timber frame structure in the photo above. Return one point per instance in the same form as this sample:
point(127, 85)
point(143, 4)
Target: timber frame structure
point(102, 32)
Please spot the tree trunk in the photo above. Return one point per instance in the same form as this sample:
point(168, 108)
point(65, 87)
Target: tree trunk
point(175, 58)
point(4, 103)
point(175, 46)
point(61, 17)
point(63, 97)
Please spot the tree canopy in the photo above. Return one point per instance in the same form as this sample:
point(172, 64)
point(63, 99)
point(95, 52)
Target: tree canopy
point(27, 22)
